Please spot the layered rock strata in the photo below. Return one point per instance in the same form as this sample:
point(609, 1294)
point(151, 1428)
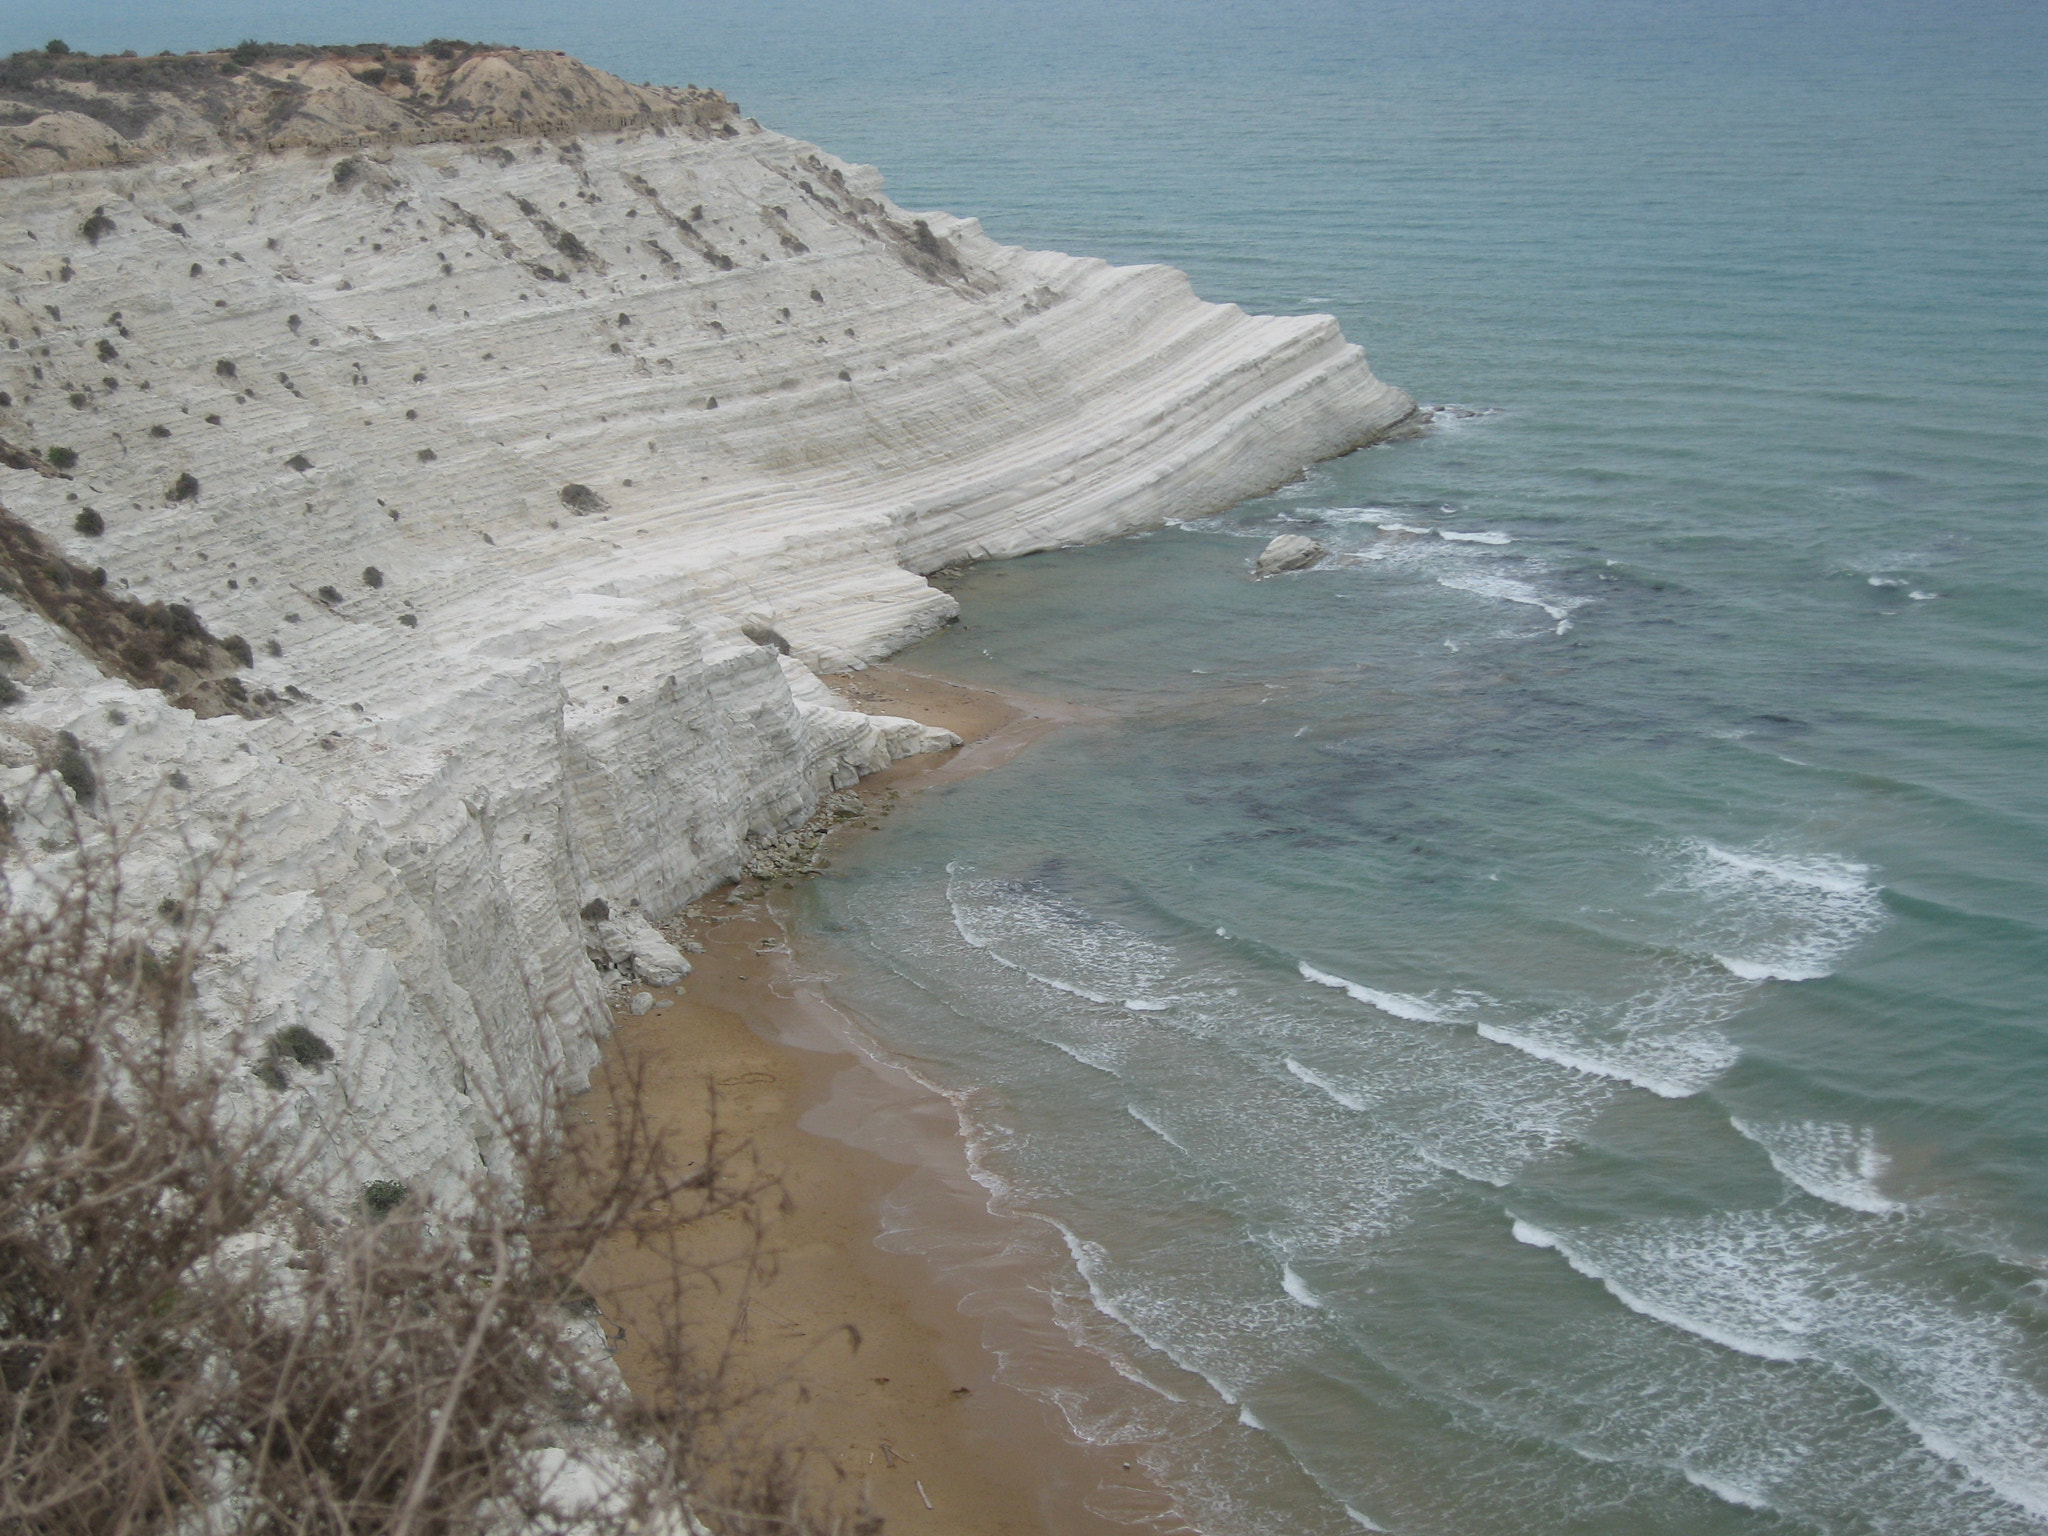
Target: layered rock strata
point(531, 484)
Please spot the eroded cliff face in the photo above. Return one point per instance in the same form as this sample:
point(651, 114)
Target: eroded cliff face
point(507, 465)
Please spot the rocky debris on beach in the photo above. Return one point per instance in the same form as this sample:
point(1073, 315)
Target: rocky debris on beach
point(1288, 552)
point(792, 854)
point(630, 945)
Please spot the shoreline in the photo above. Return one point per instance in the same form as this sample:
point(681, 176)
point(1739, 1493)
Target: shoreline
point(862, 1353)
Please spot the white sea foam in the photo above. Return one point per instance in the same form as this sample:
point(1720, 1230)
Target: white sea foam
point(1508, 589)
point(1663, 1312)
point(1453, 418)
point(1296, 1287)
point(1724, 1490)
point(1836, 875)
point(1769, 970)
point(1249, 1419)
point(1837, 1163)
point(1958, 1373)
point(1437, 1158)
point(1403, 528)
point(1363, 1522)
point(1057, 943)
point(1399, 1004)
point(1316, 1079)
point(1489, 537)
point(1349, 514)
point(1154, 1127)
point(1649, 1054)
point(1665, 1087)
point(1056, 984)
point(1081, 1056)
point(1779, 916)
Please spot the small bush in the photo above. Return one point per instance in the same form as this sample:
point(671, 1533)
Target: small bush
point(107, 350)
point(331, 596)
point(410, 621)
point(224, 368)
point(596, 910)
point(184, 488)
point(89, 523)
point(10, 692)
point(62, 458)
point(299, 462)
point(159, 431)
point(392, 1374)
point(297, 1043)
point(11, 654)
point(425, 455)
point(581, 499)
point(372, 577)
point(238, 648)
point(56, 48)
point(75, 769)
point(346, 171)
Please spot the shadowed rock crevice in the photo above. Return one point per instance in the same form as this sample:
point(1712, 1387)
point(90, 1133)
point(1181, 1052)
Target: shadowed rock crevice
point(152, 645)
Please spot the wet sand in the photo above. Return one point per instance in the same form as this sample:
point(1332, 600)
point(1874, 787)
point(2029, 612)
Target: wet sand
point(861, 1354)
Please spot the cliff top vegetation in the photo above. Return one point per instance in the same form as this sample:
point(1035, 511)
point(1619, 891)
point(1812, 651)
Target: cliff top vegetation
point(61, 110)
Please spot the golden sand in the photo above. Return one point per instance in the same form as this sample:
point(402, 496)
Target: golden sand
point(908, 1421)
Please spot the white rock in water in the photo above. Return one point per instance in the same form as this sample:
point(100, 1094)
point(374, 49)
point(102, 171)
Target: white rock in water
point(643, 1002)
point(1289, 552)
point(488, 456)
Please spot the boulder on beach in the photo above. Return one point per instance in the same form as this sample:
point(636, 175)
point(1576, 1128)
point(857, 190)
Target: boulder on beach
point(630, 940)
point(1288, 552)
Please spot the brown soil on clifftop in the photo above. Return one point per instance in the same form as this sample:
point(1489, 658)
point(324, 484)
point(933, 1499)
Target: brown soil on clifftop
point(67, 111)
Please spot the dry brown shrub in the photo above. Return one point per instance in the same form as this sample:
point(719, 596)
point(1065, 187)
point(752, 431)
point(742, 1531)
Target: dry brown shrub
point(194, 1338)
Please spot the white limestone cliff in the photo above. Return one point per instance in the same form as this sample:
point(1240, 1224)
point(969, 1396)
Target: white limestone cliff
point(513, 465)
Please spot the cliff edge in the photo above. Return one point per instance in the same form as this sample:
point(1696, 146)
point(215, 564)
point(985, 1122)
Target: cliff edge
point(452, 525)
point(65, 111)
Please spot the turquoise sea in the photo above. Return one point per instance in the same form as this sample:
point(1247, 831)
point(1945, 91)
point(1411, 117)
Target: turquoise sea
point(1540, 1026)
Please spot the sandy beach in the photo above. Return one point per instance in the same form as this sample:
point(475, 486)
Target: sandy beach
point(857, 1353)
